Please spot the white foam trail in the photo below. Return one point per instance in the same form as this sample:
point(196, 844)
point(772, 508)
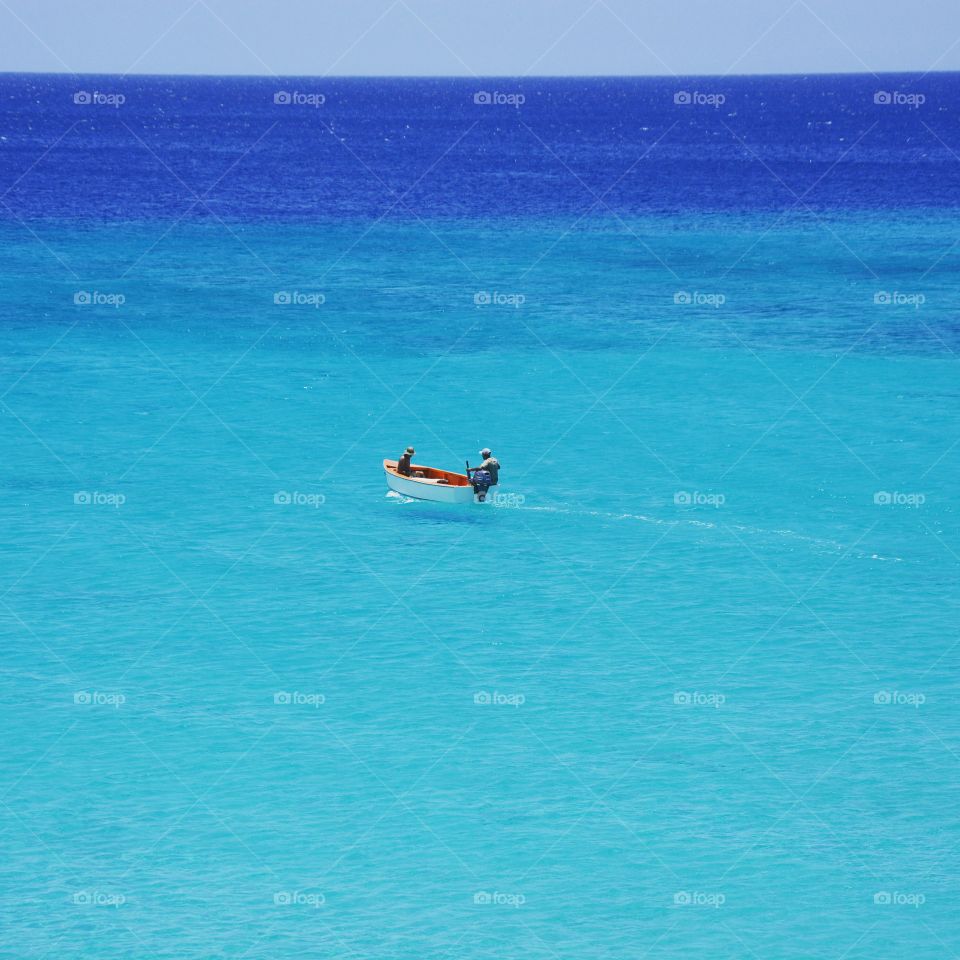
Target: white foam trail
point(740, 528)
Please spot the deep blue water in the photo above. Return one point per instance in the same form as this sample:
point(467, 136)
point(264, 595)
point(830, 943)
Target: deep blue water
point(424, 148)
point(687, 688)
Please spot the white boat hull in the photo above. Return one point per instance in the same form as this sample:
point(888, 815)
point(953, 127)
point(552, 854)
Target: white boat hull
point(428, 489)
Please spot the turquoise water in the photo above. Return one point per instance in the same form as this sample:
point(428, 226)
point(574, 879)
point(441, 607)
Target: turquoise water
point(721, 675)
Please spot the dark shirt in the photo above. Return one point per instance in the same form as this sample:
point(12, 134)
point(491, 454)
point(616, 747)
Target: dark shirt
point(403, 465)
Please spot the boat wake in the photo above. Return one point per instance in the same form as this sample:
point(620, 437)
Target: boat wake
point(833, 545)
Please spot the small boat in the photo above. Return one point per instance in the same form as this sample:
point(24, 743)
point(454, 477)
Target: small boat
point(428, 483)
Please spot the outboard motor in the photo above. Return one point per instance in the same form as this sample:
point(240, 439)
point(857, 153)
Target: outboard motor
point(482, 481)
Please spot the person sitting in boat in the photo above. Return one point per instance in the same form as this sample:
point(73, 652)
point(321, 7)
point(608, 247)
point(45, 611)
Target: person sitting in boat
point(403, 464)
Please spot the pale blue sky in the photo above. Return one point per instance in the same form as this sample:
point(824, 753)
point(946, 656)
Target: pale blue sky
point(486, 37)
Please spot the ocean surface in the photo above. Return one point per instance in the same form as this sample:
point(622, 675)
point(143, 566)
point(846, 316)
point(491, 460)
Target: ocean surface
point(687, 687)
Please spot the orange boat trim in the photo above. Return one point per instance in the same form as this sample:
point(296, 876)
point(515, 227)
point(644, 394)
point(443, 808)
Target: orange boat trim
point(430, 475)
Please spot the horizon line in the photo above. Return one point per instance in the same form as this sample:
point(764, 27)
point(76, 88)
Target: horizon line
point(489, 76)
